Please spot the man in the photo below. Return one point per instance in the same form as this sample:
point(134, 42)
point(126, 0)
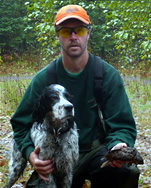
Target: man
point(74, 71)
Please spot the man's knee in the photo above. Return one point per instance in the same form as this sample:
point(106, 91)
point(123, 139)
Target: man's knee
point(131, 180)
point(125, 177)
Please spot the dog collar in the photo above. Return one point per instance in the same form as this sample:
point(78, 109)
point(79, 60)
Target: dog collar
point(59, 131)
point(62, 130)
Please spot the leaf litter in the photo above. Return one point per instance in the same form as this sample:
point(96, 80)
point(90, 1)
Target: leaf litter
point(143, 143)
point(6, 135)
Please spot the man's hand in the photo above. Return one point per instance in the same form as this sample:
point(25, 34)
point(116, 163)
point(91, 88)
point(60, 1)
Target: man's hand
point(118, 163)
point(42, 167)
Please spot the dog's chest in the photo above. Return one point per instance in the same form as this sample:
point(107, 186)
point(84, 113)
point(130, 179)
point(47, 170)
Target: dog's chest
point(63, 147)
point(52, 148)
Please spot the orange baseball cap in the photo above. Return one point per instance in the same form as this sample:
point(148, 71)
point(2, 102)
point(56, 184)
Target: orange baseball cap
point(71, 11)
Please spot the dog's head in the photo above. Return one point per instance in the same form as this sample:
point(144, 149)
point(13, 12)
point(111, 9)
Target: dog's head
point(54, 107)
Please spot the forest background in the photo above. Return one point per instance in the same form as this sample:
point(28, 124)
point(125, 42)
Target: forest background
point(121, 35)
point(121, 30)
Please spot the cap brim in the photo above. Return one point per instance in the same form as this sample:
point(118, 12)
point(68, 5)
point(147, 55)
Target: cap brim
point(71, 17)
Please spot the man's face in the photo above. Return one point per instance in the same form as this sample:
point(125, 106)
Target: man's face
point(73, 45)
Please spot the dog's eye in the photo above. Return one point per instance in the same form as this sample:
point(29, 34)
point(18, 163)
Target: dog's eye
point(68, 96)
point(54, 97)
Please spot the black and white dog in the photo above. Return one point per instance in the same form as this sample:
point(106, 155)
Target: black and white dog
point(55, 132)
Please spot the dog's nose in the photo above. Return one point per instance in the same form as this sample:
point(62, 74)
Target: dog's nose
point(68, 107)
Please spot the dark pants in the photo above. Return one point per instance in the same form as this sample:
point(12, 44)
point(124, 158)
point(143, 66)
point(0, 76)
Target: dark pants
point(106, 177)
point(88, 167)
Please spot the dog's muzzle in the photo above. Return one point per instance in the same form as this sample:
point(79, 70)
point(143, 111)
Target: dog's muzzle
point(66, 124)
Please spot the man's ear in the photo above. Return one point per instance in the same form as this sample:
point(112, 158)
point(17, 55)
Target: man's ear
point(57, 35)
point(89, 32)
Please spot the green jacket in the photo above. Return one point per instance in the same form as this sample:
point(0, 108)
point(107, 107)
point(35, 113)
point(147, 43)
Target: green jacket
point(115, 107)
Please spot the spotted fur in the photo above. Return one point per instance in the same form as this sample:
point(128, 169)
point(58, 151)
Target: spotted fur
point(55, 132)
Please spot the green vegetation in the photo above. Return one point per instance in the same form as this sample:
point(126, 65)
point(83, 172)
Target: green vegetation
point(120, 29)
point(11, 94)
point(138, 87)
point(121, 35)
point(140, 98)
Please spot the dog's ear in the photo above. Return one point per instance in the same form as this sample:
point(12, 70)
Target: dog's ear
point(40, 107)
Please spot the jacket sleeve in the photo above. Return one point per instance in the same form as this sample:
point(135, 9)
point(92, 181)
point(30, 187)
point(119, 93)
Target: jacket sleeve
point(22, 119)
point(116, 110)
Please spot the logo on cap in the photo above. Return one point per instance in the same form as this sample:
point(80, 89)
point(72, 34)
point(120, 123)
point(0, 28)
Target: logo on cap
point(72, 10)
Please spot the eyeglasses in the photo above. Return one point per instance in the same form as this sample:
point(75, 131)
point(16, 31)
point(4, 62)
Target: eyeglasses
point(67, 31)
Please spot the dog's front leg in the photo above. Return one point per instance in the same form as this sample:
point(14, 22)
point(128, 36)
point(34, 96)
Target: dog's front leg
point(51, 183)
point(66, 181)
point(17, 165)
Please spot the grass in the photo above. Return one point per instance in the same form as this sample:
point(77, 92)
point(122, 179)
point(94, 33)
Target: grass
point(140, 99)
point(28, 66)
point(11, 94)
